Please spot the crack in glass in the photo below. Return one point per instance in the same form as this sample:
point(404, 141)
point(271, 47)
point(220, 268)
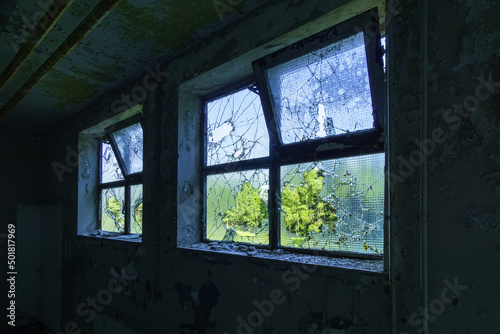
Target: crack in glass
point(236, 207)
point(129, 142)
point(334, 205)
point(236, 129)
point(323, 93)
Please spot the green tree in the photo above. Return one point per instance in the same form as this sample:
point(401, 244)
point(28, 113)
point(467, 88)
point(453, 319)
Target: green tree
point(115, 210)
point(305, 210)
point(138, 214)
point(249, 211)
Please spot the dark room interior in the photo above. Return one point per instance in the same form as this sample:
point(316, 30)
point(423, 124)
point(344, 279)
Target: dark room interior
point(246, 166)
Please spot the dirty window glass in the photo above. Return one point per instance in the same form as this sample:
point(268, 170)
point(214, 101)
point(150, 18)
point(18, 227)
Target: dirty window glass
point(121, 190)
point(236, 207)
point(112, 210)
point(323, 93)
point(334, 205)
point(236, 129)
point(110, 170)
point(129, 143)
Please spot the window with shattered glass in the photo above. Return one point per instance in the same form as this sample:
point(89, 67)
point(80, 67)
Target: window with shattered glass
point(120, 186)
point(297, 161)
point(236, 169)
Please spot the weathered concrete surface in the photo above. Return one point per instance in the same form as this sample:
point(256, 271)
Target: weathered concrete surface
point(444, 213)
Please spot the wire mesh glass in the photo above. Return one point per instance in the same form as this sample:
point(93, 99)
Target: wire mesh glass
point(236, 129)
point(334, 205)
point(130, 144)
point(236, 207)
point(323, 93)
point(113, 209)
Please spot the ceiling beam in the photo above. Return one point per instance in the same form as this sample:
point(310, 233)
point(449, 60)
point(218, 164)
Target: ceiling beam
point(33, 40)
point(89, 23)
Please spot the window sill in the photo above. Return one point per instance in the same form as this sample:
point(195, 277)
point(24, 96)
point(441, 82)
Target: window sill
point(99, 234)
point(351, 264)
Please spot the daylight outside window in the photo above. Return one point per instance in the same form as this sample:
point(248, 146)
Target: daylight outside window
point(120, 184)
point(297, 160)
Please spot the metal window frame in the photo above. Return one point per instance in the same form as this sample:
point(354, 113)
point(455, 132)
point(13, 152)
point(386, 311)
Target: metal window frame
point(364, 142)
point(230, 167)
point(129, 179)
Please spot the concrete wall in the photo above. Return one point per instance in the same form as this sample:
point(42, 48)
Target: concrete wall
point(443, 210)
point(21, 180)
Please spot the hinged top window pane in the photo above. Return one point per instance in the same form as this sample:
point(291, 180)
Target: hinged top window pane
point(323, 93)
point(235, 129)
point(129, 142)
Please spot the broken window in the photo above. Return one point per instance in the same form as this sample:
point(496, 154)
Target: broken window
point(120, 185)
point(236, 177)
point(297, 160)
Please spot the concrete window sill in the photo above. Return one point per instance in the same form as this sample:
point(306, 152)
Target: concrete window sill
point(214, 249)
point(99, 234)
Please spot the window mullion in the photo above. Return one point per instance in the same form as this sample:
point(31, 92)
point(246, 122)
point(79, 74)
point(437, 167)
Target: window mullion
point(274, 147)
point(273, 203)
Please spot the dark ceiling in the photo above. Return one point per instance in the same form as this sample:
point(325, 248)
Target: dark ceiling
point(112, 53)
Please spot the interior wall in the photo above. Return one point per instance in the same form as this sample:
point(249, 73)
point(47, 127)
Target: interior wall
point(444, 214)
point(21, 180)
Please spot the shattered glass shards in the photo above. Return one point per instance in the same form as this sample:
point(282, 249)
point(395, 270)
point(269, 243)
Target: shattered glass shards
point(323, 93)
point(236, 207)
point(136, 199)
point(130, 144)
point(236, 129)
point(110, 170)
point(334, 205)
point(113, 209)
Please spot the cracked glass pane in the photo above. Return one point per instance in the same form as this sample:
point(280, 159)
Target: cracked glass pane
point(334, 204)
point(236, 129)
point(113, 209)
point(323, 93)
point(236, 207)
point(136, 209)
point(110, 170)
point(129, 143)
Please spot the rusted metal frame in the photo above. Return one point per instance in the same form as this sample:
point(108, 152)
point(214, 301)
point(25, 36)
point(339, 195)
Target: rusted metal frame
point(34, 39)
point(91, 21)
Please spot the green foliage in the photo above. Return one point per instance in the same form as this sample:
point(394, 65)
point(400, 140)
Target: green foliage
point(305, 210)
point(115, 210)
point(250, 209)
point(138, 214)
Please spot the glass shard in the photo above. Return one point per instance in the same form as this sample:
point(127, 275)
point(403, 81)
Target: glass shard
point(110, 170)
point(323, 93)
point(236, 207)
point(130, 143)
point(136, 209)
point(236, 129)
point(334, 204)
point(113, 209)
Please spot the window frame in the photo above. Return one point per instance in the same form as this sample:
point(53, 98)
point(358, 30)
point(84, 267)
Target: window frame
point(129, 179)
point(236, 166)
point(369, 141)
